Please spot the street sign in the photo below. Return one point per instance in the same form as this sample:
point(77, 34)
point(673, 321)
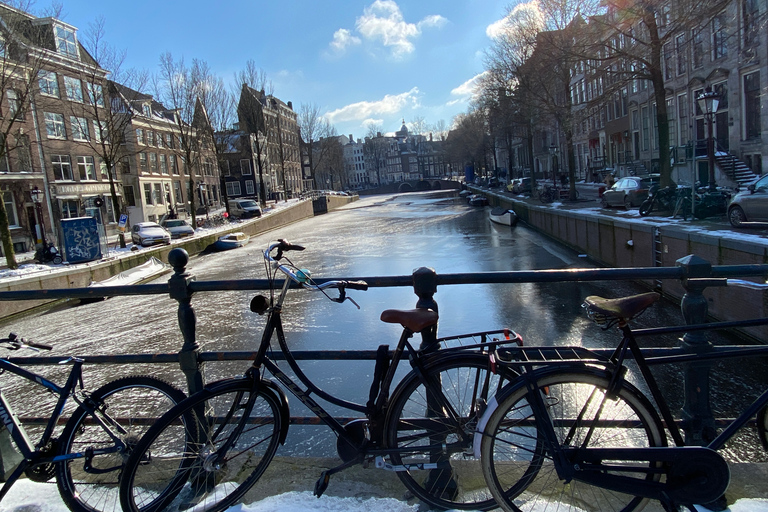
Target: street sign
point(122, 222)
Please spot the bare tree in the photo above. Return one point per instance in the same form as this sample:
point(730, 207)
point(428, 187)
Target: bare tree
point(418, 126)
point(439, 130)
point(375, 150)
point(467, 142)
point(20, 68)
point(313, 127)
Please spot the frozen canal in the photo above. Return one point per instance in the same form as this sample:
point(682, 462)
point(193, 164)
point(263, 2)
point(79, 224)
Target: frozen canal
point(376, 236)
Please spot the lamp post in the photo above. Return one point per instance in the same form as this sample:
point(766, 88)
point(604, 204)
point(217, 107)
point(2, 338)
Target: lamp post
point(553, 152)
point(37, 198)
point(708, 103)
point(203, 201)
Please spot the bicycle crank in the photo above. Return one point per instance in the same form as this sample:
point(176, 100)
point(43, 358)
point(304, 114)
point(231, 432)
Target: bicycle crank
point(693, 474)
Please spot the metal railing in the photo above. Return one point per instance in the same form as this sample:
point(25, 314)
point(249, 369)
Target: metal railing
point(695, 274)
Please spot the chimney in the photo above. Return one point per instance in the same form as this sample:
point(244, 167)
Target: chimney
point(290, 105)
point(378, 134)
point(350, 138)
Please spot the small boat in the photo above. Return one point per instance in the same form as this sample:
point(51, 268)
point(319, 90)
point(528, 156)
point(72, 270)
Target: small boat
point(231, 241)
point(147, 271)
point(478, 200)
point(503, 216)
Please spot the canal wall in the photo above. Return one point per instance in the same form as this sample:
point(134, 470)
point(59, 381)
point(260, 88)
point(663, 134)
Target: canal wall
point(614, 242)
point(81, 276)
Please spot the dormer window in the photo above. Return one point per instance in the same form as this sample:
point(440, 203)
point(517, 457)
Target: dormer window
point(65, 41)
point(147, 110)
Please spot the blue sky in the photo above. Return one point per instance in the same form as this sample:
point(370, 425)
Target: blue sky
point(361, 62)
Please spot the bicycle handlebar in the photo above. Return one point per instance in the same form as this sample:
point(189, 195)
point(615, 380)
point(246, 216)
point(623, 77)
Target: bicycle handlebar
point(15, 343)
point(741, 283)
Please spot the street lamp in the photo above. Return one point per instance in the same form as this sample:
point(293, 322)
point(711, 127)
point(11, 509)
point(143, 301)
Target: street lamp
point(553, 152)
point(37, 198)
point(708, 103)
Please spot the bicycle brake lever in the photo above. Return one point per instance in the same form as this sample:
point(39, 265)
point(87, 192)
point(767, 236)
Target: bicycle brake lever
point(350, 299)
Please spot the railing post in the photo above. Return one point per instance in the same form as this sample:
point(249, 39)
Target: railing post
point(698, 421)
point(178, 285)
point(425, 287)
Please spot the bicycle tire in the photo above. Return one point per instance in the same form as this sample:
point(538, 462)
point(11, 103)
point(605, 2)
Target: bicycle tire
point(461, 486)
point(522, 477)
point(547, 196)
point(176, 465)
point(133, 403)
point(646, 207)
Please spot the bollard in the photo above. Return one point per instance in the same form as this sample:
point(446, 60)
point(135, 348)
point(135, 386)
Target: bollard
point(425, 287)
point(178, 286)
point(698, 421)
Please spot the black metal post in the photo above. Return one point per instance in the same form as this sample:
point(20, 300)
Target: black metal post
point(698, 421)
point(189, 354)
point(425, 287)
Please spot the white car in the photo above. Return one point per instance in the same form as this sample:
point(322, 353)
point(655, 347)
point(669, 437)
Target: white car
point(149, 233)
point(178, 228)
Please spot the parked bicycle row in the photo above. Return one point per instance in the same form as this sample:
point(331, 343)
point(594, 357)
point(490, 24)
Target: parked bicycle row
point(480, 420)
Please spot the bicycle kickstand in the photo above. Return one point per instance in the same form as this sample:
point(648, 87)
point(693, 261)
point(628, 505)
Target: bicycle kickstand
point(322, 483)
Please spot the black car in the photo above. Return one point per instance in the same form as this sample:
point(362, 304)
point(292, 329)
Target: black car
point(629, 191)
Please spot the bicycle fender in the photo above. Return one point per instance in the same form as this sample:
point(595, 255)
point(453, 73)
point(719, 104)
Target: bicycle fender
point(270, 387)
point(477, 439)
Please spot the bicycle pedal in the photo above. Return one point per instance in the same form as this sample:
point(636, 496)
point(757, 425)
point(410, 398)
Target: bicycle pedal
point(322, 483)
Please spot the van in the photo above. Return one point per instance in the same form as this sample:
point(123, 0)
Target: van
point(244, 208)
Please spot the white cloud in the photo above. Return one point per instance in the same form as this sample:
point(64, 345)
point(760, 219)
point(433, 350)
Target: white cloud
point(364, 110)
point(523, 13)
point(343, 39)
point(372, 122)
point(467, 90)
point(383, 22)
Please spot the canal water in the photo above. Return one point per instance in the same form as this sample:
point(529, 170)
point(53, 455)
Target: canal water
point(377, 236)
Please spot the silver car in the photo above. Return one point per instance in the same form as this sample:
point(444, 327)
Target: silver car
point(178, 228)
point(750, 205)
point(149, 233)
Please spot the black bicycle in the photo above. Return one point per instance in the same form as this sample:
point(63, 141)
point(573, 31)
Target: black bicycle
point(88, 456)
point(208, 451)
point(573, 433)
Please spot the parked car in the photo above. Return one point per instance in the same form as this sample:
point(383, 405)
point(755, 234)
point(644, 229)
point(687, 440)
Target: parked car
point(149, 233)
point(750, 205)
point(521, 186)
point(178, 228)
point(629, 191)
point(244, 208)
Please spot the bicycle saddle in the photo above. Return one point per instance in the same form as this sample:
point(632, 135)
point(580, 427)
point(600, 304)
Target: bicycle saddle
point(414, 319)
point(622, 309)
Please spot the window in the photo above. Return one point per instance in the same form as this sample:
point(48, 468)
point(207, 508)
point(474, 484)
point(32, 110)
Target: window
point(48, 83)
point(172, 165)
point(153, 162)
point(130, 197)
point(698, 49)
point(249, 187)
point(668, 64)
point(100, 132)
point(65, 41)
point(95, 94)
point(177, 192)
point(169, 140)
point(54, 126)
point(69, 208)
point(62, 167)
point(719, 38)
point(23, 153)
point(14, 104)
point(147, 110)
point(749, 22)
point(682, 57)
point(646, 131)
point(150, 138)
point(157, 194)
point(104, 173)
point(73, 89)
point(752, 128)
point(245, 167)
point(224, 166)
point(163, 164)
point(86, 168)
point(148, 194)
point(79, 128)
point(233, 188)
point(682, 114)
point(159, 140)
point(140, 136)
point(143, 162)
point(10, 208)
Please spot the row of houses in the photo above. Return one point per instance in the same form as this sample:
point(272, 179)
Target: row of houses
point(62, 157)
point(613, 122)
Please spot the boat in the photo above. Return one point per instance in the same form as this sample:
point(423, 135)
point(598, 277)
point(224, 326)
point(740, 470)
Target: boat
point(231, 241)
point(147, 271)
point(503, 216)
point(478, 200)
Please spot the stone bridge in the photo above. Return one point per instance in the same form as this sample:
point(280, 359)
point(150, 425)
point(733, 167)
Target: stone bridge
point(414, 186)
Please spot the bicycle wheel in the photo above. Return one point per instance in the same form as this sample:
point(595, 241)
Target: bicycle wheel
point(207, 452)
point(128, 406)
point(522, 476)
point(417, 422)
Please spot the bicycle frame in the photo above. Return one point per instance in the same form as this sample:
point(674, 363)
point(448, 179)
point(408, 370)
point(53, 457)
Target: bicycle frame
point(19, 435)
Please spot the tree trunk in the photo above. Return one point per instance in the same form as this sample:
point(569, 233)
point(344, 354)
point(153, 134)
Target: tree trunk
point(5, 234)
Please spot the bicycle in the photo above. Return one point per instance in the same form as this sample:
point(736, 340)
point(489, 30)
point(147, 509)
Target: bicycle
point(572, 432)
point(422, 431)
point(87, 457)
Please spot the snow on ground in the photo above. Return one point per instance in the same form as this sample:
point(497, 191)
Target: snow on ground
point(28, 496)
point(28, 267)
